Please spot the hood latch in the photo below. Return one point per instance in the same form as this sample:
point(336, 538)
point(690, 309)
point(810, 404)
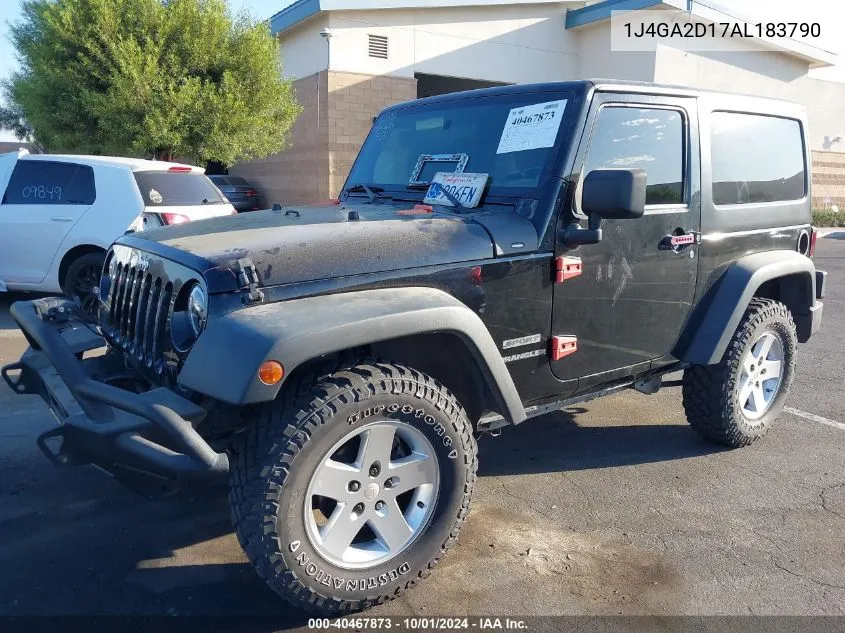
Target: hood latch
point(248, 277)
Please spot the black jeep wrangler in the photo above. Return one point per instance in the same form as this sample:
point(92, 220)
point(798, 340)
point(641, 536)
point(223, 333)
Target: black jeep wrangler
point(494, 255)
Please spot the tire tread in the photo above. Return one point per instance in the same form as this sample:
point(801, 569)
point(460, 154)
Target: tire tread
point(262, 464)
point(708, 389)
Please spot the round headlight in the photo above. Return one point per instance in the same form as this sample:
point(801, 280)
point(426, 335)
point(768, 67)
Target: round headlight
point(197, 309)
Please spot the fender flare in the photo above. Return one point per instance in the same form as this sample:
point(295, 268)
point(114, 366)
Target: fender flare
point(296, 331)
point(709, 330)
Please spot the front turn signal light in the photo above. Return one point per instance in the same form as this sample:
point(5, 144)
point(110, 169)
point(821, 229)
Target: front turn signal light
point(271, 372)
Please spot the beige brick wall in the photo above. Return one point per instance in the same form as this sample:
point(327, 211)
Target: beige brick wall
point(300, 173)
point(353, 102)
point(324, 147)
point(828, 179)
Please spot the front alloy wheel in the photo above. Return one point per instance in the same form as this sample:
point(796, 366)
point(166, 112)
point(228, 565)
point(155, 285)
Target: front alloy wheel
point(349, 488)
point(372, 495)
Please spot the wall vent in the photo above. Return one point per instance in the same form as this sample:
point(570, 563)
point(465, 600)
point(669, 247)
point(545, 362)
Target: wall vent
point(378, 46)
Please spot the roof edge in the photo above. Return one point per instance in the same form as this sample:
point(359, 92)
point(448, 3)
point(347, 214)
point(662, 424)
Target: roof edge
point(303, 10)
point(293, 14)
point(709, 11)
point(601, 11)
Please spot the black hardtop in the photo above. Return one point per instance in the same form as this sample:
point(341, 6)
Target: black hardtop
point(585, 87)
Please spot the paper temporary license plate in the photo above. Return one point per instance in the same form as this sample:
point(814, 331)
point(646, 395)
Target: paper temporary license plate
point(465, 188)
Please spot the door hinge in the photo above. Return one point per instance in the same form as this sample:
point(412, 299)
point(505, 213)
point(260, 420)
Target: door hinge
point(567, 268)
point(561, 346)
point(248, 279)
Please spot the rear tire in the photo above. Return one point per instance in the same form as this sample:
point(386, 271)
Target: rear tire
point(82, 280)
point(736, 401)
point(292, 468)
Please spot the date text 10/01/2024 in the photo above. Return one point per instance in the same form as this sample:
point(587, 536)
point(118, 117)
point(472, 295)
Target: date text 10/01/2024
point(723, 29)
point(419, 623)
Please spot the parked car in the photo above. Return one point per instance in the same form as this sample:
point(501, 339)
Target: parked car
point(239, 192)
point(495, 255)
point(60, 213)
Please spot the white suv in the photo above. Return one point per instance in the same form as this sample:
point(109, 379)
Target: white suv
point(60, 213)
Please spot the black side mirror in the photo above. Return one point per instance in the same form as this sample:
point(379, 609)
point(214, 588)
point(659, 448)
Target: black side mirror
point(608, 194)
point(614, 194)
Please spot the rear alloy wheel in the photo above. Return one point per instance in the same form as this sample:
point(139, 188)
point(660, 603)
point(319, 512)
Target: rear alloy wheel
point(736, 401)
point(82, 280)
point(349, 488)
point(760, 377)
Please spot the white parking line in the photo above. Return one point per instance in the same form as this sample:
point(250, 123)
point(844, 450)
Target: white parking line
point(812, 417)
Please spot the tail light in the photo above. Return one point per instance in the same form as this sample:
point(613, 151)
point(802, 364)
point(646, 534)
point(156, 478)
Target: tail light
point(174, 218)
point(250, 193)
point(179, 168)
point(813, 235)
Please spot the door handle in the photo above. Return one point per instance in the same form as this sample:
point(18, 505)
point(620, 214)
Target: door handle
point(679, 240)
point(62, 219)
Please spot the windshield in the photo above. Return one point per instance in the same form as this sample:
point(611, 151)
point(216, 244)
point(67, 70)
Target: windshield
point(511, 138)
point(176, 189)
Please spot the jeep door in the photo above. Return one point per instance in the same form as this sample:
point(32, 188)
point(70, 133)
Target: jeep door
point(634, 294)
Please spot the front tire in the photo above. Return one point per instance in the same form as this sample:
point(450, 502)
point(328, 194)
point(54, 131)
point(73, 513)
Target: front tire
point(352, 485)
point(82, 280)
point(736, 401)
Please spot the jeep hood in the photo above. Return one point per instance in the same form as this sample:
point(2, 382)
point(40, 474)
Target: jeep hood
point(306, 243)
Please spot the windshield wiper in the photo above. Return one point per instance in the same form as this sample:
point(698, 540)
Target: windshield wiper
point(372, 191)
point(446, 194)
point(451, 198)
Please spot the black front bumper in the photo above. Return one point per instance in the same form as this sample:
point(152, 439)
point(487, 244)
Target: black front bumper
point(151, 432)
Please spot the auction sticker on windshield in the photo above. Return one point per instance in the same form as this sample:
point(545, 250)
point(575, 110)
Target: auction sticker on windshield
point(532, 127)
point(465, 188)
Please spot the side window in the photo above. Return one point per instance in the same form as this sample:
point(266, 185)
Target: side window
point(45, 182)
point(756, 158)
point(642, 138)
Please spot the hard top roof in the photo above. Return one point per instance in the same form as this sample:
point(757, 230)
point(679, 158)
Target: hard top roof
point(583, 86)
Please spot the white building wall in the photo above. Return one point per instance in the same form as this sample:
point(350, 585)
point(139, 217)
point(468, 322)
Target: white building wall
point(597, 61)
point(514, 44)
point(302, 49)
point(765, 74)
point(527, 43)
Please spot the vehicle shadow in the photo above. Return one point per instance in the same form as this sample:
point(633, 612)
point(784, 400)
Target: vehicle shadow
point(555, 442)
point(6, 301)
point(98, 550)
point(102, 551)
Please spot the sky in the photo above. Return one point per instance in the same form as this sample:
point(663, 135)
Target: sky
point(829, 13)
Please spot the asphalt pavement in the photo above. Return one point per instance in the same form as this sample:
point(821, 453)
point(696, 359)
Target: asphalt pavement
point(611, 507)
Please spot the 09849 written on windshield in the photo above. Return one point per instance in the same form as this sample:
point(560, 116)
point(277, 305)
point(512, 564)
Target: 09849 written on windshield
point(42, 192)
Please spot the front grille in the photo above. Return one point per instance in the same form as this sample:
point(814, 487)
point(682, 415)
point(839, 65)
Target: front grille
point(137, 312)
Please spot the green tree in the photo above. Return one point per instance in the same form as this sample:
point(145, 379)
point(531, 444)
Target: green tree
point(148, 78)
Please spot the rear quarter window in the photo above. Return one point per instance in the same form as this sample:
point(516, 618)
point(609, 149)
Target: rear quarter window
point(756, 158)
point(176, 189)
point(47, 182)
